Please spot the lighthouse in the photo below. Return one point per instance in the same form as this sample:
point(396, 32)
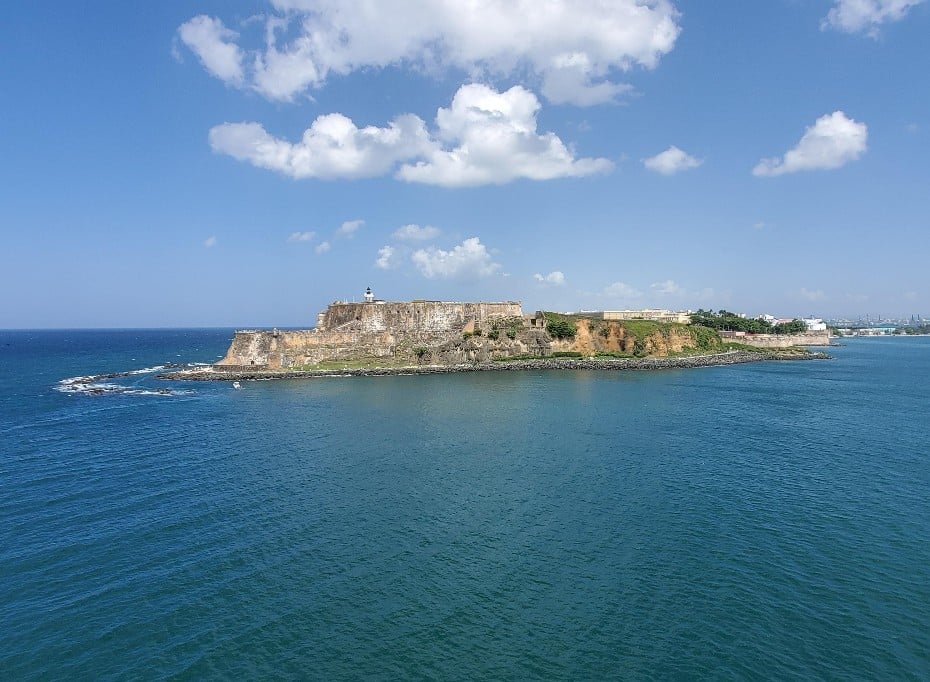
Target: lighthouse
point(369, 297)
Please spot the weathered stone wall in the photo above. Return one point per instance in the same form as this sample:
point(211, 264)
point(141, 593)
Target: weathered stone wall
point(783, 340)
point(416, 331)
point(413, 317)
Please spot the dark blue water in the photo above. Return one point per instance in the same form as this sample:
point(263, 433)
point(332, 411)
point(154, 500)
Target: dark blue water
point(766, 520)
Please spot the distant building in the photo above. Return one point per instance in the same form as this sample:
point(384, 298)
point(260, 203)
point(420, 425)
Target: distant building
point(814, 324)
point(654, 314)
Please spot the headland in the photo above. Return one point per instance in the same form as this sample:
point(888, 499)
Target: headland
point(377, 337)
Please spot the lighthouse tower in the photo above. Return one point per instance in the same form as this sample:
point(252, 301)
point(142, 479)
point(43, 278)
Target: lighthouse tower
point(369, 297)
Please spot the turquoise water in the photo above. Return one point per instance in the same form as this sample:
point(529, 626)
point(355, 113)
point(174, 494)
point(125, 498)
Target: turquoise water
point(766, 520)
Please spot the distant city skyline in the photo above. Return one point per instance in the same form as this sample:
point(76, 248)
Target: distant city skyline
point(245, 163)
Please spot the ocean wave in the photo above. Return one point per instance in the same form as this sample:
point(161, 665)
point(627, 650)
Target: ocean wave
point(146, 370)
point(100, 384)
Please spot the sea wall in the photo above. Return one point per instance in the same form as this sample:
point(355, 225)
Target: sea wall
point(218, 373)
point(821, 338)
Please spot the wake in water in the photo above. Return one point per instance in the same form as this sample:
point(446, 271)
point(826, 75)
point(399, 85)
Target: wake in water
point(100, 384)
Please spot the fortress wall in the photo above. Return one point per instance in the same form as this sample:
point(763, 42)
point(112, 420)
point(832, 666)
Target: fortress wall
point(784, 340)
point(250, 348)
point(354, 330)
point(413, 317)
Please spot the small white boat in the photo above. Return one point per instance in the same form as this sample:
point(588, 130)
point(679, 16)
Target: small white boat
point(237, 386)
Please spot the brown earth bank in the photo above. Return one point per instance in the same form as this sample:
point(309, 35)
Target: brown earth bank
point(732, 357)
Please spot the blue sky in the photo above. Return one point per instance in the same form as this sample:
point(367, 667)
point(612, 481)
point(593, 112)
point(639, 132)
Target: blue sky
point(210, 163)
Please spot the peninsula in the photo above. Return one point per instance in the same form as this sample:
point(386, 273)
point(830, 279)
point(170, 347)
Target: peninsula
point(382, 337)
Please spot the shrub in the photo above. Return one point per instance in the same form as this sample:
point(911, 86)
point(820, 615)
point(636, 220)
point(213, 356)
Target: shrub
point(560, 326)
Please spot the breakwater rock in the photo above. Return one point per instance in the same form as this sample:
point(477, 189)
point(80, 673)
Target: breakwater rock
point(215, 373)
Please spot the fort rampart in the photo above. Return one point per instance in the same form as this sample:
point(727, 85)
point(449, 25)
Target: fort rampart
point(819, 338)
point(379, 329)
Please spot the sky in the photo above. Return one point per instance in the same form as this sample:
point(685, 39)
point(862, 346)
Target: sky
point(245, 163)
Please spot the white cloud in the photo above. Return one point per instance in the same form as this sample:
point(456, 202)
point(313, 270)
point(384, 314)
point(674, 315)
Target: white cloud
point(671, 161)
point(322, 247)
point(573, 47)
point(301, 236)
point(415, 233)
point(555, 277)
point(816, 295)
point(666, 288)
point(468, 259)
point(833, 141)
point(210, 242)
point(385, 259)
point(349, 228)
point(210, 40)
point(855, 16)
point(491, 138)
point(621, 290)
point(569, 81)
point(333, 147)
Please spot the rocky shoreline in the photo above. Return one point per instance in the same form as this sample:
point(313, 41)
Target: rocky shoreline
point(212, 373)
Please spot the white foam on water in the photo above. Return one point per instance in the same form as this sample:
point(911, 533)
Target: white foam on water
point(147, 370)
point(96, 384)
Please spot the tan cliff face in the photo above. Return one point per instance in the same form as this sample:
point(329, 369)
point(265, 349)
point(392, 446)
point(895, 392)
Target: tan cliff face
point(600, 336)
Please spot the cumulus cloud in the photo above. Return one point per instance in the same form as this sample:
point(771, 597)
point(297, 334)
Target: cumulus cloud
point(385, 259)
point(322, 247)
point(666, 288)
point(555, 277)
point(212, 42)
point(210, 242)
point(866, 16)
point(493, 140)
point(301, 236)
point(333, 147)
point(349, 228)
point(415, 233)
point(468, 259)
point(569, 81)
point(833, 141)
point(621, 290)
point(671, 161)
point(575, 48)
point(484, 137)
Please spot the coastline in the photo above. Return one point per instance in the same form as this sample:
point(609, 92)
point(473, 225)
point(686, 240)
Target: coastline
point(211, 373)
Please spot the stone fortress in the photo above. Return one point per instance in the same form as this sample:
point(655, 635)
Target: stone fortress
point(449, 333)
point(414, 331)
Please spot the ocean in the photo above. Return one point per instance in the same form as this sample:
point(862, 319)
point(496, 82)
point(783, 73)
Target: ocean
point(769, 520)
